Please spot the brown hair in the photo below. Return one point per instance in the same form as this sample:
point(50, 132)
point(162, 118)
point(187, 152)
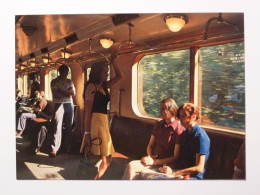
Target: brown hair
point(170, 105)
point(190, 110)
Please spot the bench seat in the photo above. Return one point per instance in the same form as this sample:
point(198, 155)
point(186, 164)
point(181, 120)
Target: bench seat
point(131, 136)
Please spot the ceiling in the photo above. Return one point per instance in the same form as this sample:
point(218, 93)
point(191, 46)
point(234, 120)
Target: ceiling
point(35, 32)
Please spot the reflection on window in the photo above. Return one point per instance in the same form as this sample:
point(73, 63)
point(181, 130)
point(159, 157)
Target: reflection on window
point(160, 76)
point(223, 85)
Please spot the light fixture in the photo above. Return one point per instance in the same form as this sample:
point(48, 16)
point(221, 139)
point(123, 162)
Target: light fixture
point(175, 22)
point(46, 59)
point(32, 63)
point(106, 42)
point(22, 66)
point(65, 53)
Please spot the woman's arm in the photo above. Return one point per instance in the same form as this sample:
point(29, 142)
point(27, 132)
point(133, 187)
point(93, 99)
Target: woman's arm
point(87, 113)
point(119, 74)
point(198, 168)
point(88, 104)
point(148, 160)
point(149, 148)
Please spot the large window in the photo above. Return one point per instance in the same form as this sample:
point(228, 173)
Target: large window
point(22, 84)
point(160, 76)
point(220, 82)
point(223, 85)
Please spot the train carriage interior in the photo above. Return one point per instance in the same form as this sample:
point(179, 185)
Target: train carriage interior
point(196, 57)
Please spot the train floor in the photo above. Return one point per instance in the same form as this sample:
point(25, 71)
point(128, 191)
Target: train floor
point(63, 167)
point(41, 166)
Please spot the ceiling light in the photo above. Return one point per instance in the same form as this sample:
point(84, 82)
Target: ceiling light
point(176, 22)
point(22, 66)
point(46, 59)
point(65, 53)
point(32, 63)
point(106, 42)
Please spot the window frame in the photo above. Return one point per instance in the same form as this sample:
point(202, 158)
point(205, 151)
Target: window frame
point(195, 86)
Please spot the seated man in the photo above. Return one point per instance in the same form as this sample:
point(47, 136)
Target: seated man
point(164, 144)
point(41, 105)
point(195, 147)
point(38, 131)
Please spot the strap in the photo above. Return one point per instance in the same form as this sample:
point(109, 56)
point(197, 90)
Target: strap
point(94, 139)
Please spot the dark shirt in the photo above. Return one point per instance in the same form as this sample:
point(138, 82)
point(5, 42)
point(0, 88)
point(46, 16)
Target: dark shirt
point(34, 87)
point(166, 136)
point(45, 109)
point(42, 103)
point(196, 141)
point(101, 100)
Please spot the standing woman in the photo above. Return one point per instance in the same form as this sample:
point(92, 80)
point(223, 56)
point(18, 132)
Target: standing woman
point(96, 98)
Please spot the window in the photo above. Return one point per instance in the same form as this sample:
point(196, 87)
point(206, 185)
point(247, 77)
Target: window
point(160, 76)
point(222, 71)
point(48, 78)
point(22, 84)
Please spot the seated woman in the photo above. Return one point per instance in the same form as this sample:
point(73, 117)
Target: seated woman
point(164, 144)
point(195, 147)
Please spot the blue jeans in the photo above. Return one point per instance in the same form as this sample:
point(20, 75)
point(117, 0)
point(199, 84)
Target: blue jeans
point(63, 114)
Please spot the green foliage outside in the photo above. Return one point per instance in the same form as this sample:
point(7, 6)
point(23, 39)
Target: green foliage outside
point(223, 84)
point(164, 75)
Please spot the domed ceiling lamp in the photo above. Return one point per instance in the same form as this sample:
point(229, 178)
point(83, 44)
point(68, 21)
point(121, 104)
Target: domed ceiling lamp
point(46, 59)
point(32, 63)
point(106, 42)
point(175, 22)
point(22, 66)
point(65, 53)
point(127, 46)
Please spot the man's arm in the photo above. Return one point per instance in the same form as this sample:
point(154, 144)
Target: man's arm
point(39, 120)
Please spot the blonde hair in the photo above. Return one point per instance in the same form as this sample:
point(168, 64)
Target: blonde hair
point(170, 105)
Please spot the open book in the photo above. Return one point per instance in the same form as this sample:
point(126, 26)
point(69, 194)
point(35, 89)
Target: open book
point(154, 176)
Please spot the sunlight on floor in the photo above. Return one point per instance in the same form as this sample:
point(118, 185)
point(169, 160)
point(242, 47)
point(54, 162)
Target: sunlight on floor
point(40, 170)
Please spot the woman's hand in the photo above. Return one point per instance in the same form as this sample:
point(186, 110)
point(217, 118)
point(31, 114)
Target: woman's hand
point(147, 160)
point(166, 169)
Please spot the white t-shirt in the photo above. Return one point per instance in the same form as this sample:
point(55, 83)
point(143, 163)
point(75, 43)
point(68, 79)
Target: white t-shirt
point(63, 84)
